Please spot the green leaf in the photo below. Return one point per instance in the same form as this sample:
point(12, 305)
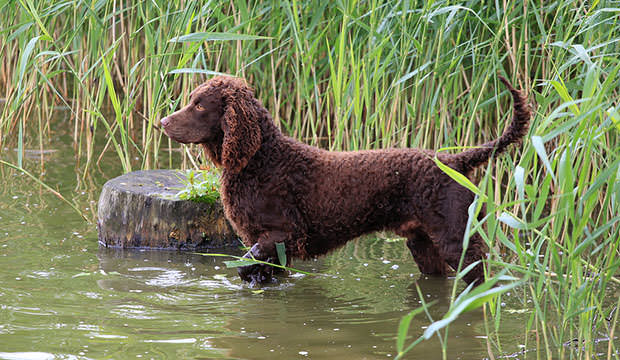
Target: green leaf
point(560, 88)
point(511, 221)
point(123, 152)
point(403, 326)
point(215, 36)
point(413, 73)
point(467, 302)
point(30, 8)
point(459, 178)
point(614, 116)
point(467, 269)
point(241, 261)
point(110, 86)
point(590, 85)
point(195, 71)
point(539, 146)
point(238, 263)
point(519, 176)
point(281, 249)
point(23, 60)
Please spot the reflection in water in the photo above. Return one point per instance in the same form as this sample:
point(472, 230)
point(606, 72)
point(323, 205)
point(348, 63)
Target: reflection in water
point(351, 312)
point(63, 297)
point(169, 304)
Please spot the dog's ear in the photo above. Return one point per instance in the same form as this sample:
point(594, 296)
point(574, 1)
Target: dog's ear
point(242, 135)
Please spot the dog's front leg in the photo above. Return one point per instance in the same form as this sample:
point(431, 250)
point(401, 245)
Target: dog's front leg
point(263, 250)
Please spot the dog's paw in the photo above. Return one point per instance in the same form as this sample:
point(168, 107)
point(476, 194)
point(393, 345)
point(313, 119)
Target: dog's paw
point(257, 273)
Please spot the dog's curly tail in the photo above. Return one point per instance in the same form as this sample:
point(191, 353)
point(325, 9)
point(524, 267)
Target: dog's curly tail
point(471, 159)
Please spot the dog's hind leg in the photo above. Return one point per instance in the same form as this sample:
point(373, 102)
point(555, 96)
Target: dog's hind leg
point(452, 249)
point(424, 252)
point(449, 231)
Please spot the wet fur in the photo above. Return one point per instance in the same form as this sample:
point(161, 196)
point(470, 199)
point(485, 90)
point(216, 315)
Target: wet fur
point(277, 189)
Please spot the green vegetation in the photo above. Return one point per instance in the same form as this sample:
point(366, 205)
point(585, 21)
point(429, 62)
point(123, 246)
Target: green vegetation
point(200, 186)
point(353, 75)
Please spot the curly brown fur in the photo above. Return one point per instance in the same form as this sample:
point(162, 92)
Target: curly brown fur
point(276, 189)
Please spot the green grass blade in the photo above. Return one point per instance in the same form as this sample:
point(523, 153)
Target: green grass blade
point(215, 36)
point(459, 178)
point(281, 250)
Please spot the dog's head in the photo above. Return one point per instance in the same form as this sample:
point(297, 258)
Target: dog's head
point(223, 116)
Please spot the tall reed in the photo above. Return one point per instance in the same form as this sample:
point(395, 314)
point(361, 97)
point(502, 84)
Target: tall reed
point(345, 75)
point(368, 74)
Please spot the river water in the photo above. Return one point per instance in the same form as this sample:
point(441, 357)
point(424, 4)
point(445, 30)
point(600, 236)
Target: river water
point(64, 297)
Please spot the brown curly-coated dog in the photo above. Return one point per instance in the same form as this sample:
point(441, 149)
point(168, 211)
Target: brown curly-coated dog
point(277, 189)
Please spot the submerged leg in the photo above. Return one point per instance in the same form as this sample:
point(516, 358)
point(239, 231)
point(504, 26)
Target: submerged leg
point(449, 231)
point(476, 251)
point(264, 250)
point(424, 251)
point(426, 254)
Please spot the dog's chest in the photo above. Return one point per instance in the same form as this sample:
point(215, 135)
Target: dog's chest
point(256, 204)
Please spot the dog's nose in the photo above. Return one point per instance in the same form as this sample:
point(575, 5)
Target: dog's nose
point(164, 122)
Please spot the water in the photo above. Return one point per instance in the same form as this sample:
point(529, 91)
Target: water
point(63, 297)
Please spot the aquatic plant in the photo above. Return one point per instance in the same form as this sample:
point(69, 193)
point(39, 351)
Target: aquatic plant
point(358, 75)
point(200, 186)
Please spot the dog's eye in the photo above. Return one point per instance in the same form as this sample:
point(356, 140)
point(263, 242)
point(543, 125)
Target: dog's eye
point(199, 107)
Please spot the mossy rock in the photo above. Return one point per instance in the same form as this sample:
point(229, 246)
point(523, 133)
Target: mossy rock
point(140, 210)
